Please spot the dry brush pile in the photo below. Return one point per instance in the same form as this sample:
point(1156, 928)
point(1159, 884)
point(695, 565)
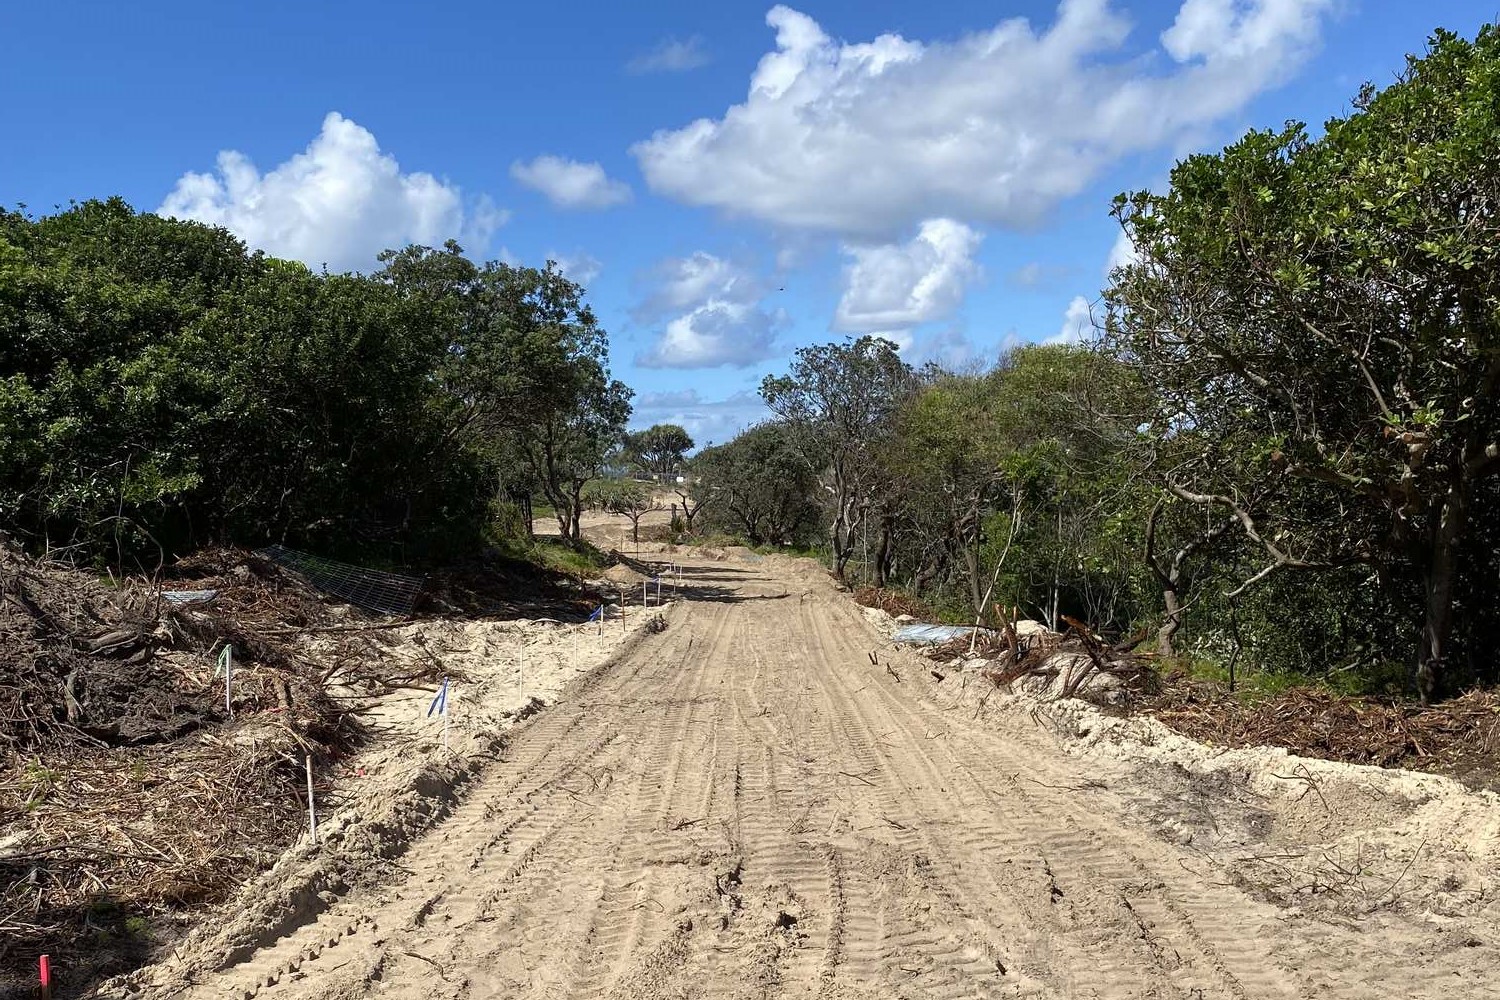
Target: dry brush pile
point(127, 790)
point(1066, 663)
point(1460, 736)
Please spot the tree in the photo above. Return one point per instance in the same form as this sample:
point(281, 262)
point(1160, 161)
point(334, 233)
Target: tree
point(692, 498)
point(1009, 480)
point(526, 362)
point(759, 485)
point(836, 404)
point(1318, 319)
point(949, 439)
point(622, 498)
point(161, 386)
point(659, 450)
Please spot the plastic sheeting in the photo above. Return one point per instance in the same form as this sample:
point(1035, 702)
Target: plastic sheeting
point(188, 596)
point(928, 635)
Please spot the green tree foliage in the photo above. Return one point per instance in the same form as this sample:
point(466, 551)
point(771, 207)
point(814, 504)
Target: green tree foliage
point(1013, 485)
point(525, 366)
point(759, 486)
point(622, 498)
point(1320, 321)
point(836, 403)
point(160, 387)
point(660, 450)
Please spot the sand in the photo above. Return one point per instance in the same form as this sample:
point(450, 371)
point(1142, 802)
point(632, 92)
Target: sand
point(766, 799)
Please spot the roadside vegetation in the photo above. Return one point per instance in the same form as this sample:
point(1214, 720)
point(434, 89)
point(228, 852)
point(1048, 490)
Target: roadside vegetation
point(1280, 453)
point(162, 388)
point(1275, 464)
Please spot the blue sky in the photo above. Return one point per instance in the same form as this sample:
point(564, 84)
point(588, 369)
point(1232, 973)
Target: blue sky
point(730, 181)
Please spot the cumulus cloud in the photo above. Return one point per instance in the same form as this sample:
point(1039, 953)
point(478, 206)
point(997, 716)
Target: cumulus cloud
point(708, 421)
point(1122, 254)
point(868, 139)
point(713, 334)
point(899, 286)
point(1078, 323)
point(338, 202)
point(1035, 275)
point(714, 315)
point(581, 267)
point(570, 184)
point(679, 283)
point(948, 348)
point(671, 55)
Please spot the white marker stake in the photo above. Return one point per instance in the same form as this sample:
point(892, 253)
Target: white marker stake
point(658, 590)
point(312, 810)
point(446, 699)
point(226, 662)
point(644, 585)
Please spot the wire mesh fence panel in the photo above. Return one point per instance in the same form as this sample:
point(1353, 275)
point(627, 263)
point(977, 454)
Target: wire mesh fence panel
point(371, 589)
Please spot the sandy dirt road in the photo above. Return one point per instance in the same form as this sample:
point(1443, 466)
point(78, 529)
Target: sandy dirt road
point(746, 806)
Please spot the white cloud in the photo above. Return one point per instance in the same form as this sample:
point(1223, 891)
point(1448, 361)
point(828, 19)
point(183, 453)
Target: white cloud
point(1078, 323)
point(949, 348)
point(714, 315)
point(581, 267)
point(899, 286)
point(866, 140)
point(570, 184)
point(904, 340)
point(713, 334)
point(338, 202)
point(1036, 275)
point(1240, 29)
point(671, 55)
point(680, 283)
point(1121, 254)
point(708, 421)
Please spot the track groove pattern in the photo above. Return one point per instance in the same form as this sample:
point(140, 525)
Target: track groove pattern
point(745, 807)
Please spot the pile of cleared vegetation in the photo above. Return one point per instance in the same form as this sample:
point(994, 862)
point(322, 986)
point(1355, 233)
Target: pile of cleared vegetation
point(894, 602)
point(1459, 737)
point(128, 791)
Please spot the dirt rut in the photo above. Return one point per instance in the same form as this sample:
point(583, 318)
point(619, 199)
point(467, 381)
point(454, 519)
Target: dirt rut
point(747, 806)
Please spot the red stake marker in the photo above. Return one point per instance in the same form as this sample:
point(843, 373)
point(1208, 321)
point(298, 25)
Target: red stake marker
point(45, 964)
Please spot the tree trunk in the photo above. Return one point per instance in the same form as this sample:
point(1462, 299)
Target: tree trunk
point(1442, 569)
point(688, 510)
point(840, 546)
point(883, 552)
point(575, 514)
point(1172, 623)
point(841, 530)
point(971, 568)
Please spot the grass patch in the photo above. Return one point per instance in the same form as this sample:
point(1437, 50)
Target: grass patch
point(553, 555)
point(816, 552)
point(577, 559)
point(1388, 679)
